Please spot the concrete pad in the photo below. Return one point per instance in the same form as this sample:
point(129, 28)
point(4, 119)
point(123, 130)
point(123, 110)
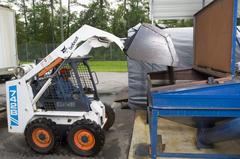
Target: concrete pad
point(111, 82)
point(177, 138)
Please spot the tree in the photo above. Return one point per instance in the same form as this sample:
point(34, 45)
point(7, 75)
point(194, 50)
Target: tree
point(52, 20)
point(177, 23)
point(23, 11)
point(96, 15)
point(73, 20)
point(61, 21)
point(137, 12)
point(21, 25)
point(129, 14)
point(41, 24)
point(68, 20)
point(70, 15)
point(34, 16)
point(45, 23)
point(118, 22)
point(20, 29)
point(24, 8)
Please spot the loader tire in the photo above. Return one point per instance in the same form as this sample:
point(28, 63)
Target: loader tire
point(41, 135)
point(110, 115)
point(85, 138)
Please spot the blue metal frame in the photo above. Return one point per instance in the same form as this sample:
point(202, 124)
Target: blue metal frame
point(199, 101)
point(234, 37)
point(153, 123)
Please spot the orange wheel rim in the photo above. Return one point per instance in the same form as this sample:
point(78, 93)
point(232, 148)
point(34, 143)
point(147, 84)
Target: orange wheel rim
point(41, 137)
point(84, 140)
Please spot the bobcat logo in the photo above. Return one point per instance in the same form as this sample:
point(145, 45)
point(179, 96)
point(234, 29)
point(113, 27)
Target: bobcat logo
point(72, 45)
point(64, 49)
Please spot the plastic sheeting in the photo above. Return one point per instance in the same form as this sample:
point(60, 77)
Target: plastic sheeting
point(137, 71)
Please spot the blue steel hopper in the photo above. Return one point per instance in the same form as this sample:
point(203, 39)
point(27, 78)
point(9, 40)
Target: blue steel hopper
point(210, 100)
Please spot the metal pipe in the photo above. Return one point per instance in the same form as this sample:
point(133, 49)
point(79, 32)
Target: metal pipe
point(221, 132)
point(40, 93)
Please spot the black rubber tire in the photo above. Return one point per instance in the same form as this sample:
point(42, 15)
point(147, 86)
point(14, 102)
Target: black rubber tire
point(47, 125)
point(110, 114)
point(94, 128)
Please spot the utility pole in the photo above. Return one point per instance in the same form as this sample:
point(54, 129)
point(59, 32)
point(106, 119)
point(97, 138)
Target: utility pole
point(61, 22)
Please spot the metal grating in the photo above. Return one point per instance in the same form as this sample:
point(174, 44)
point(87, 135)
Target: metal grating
point(85, 78)
point(65, 91)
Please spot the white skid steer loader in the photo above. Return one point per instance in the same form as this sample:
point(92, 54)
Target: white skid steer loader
point(58, 99)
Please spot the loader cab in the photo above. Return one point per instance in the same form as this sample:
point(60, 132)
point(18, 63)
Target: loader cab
point(73, 86)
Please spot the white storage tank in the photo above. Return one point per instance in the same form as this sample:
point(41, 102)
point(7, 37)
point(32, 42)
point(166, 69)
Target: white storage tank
point(8, 43)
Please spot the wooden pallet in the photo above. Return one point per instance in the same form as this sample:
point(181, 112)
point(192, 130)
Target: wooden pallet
point(176, 137)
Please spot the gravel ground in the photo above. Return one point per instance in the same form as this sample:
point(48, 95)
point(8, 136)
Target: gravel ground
point(117, 138)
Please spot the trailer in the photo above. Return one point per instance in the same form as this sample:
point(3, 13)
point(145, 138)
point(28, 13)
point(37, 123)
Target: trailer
point(8, 43)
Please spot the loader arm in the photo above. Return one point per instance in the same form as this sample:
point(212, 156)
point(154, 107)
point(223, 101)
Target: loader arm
point(78, 44)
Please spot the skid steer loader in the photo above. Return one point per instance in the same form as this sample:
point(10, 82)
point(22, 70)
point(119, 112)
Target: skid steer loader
point(58, 98)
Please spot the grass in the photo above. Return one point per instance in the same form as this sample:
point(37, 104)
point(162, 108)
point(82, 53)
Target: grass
point(105, 66)
point(108, 66)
